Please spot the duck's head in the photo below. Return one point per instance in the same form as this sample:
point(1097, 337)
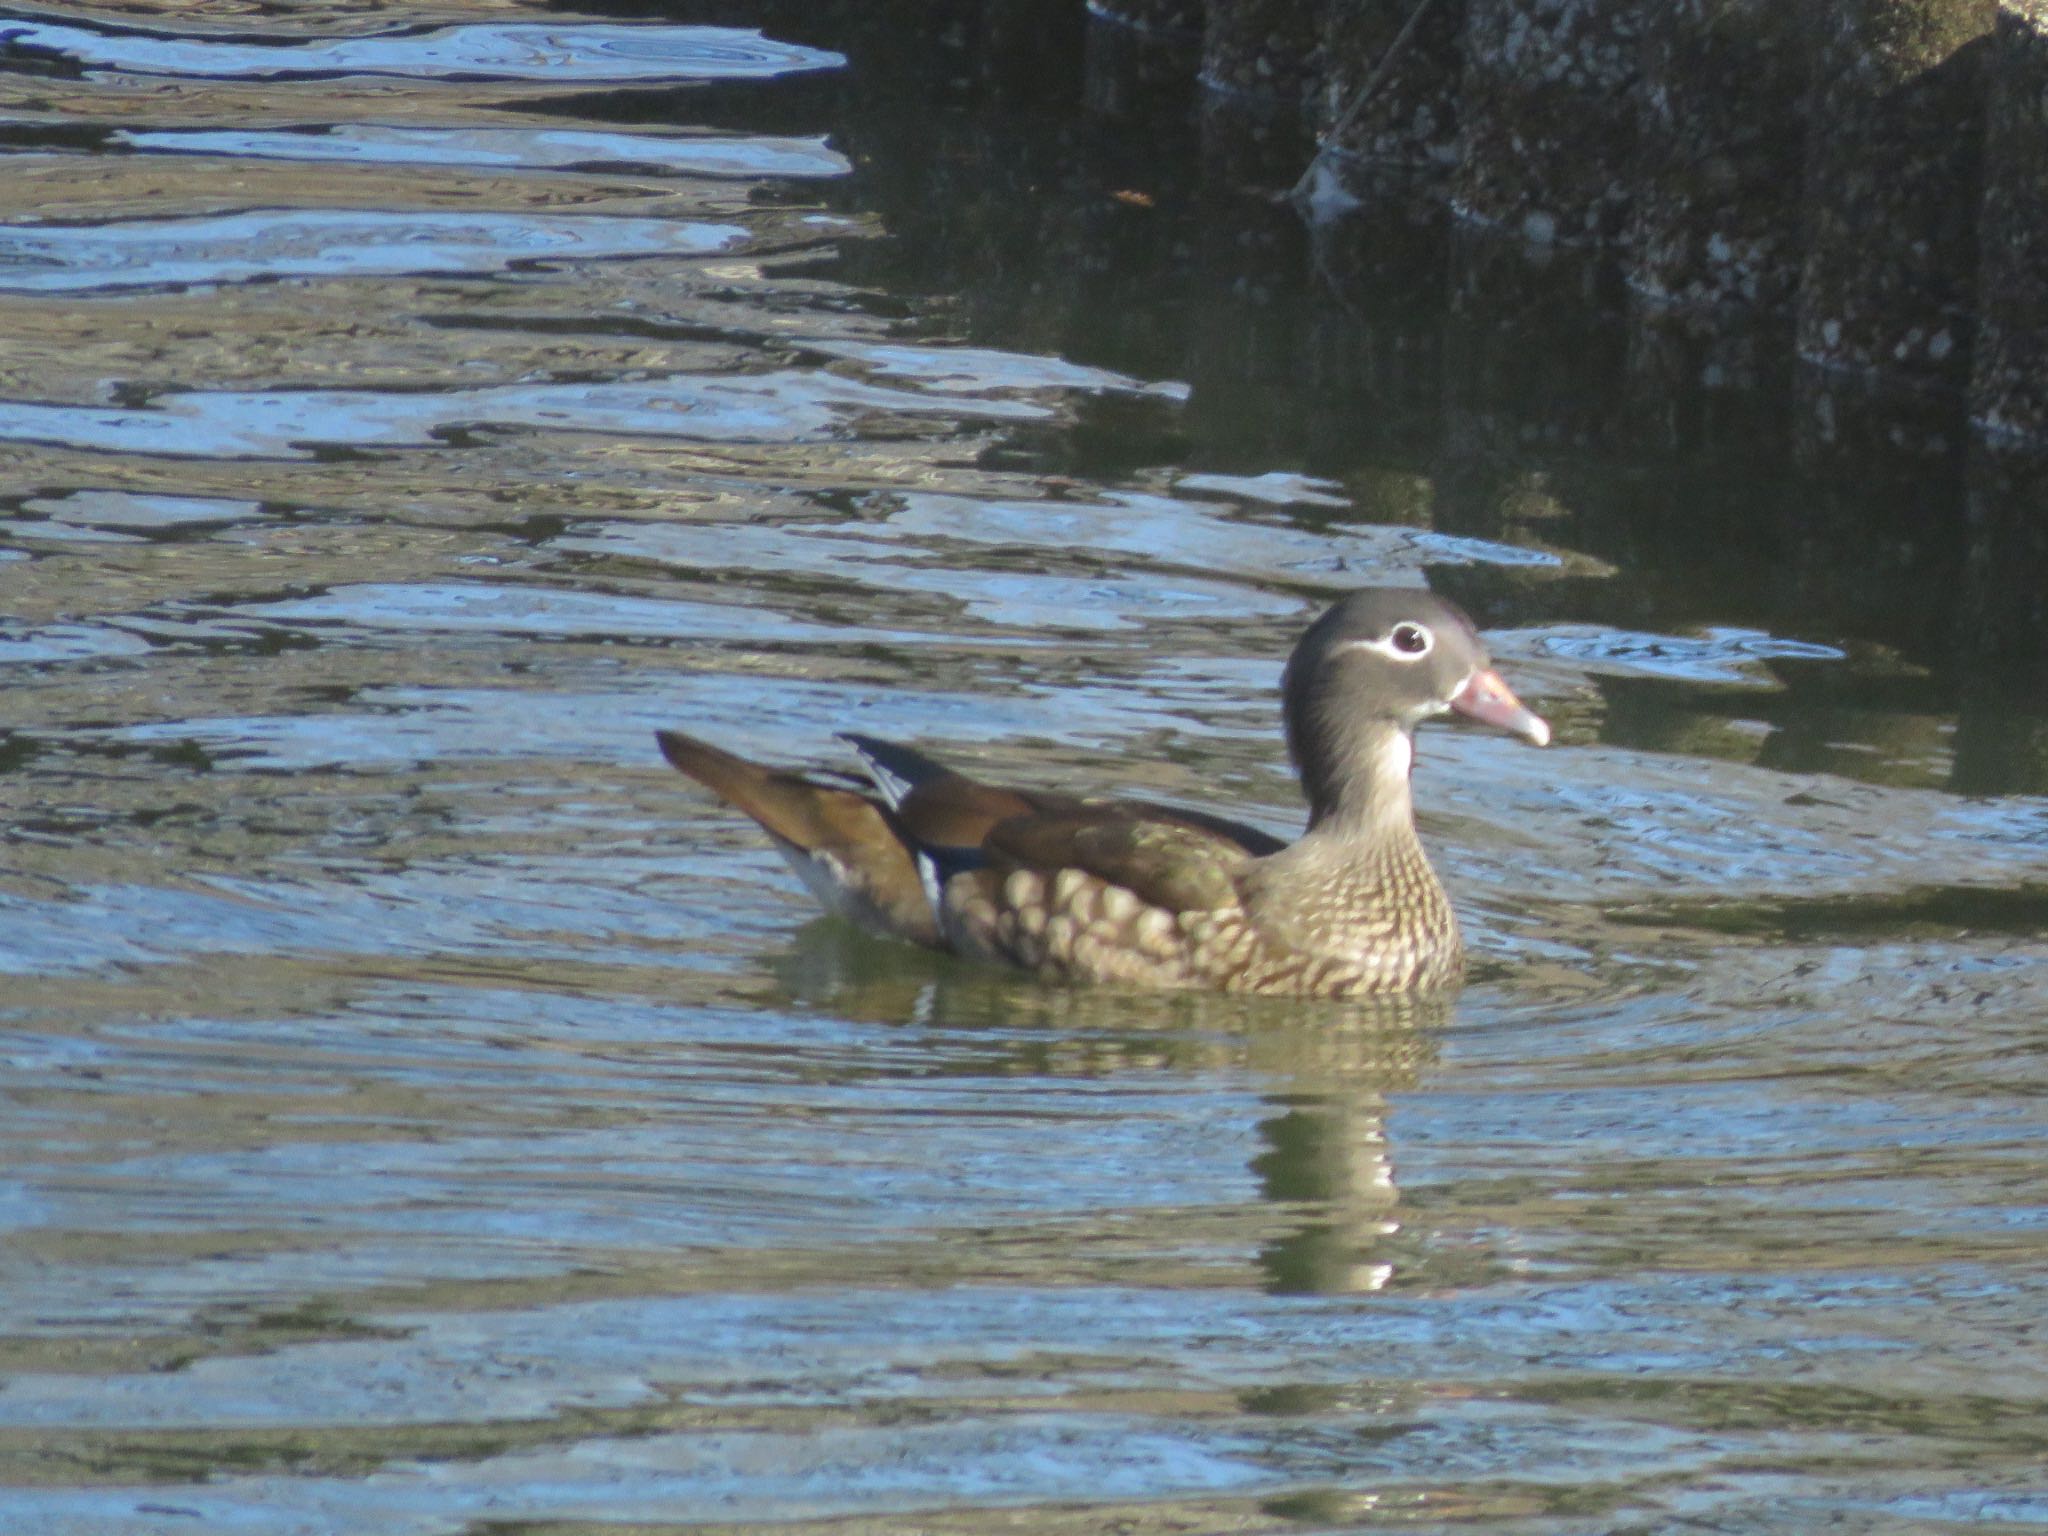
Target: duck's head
point(1370, 670)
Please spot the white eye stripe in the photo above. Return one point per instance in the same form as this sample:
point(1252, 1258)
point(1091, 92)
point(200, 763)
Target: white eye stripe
point(1388, 644)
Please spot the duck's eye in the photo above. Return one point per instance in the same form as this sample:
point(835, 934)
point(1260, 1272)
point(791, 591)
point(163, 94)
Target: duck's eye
point(1411, 639)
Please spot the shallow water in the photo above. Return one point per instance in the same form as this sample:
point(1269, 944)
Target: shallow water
point(426, 1114)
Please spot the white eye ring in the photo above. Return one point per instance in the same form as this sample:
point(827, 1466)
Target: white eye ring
point(1410, 641)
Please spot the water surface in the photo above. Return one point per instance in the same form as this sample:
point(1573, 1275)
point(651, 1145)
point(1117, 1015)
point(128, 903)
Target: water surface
point(427, 1114)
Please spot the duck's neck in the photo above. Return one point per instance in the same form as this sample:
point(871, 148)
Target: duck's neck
point(1358, 789)
point(1357, 885)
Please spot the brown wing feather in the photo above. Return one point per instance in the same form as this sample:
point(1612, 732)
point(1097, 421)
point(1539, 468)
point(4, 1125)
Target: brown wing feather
point(867, 854)
point(945, 809)
point(1165, 862)
point(954, 811)
point(847, 840)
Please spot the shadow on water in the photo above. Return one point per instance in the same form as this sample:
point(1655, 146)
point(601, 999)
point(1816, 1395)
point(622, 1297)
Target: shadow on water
point(425, 1113)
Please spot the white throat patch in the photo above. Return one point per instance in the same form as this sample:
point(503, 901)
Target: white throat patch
point(1397, 757)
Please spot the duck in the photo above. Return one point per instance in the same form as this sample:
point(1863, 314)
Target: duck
point(1081, 889)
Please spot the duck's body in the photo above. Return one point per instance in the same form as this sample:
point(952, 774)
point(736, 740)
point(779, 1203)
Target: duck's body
point(1136, 893)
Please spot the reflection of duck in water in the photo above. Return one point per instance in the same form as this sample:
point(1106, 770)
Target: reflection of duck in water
point(1329, 1165)
point(1128, 891)
point(1310, 1080)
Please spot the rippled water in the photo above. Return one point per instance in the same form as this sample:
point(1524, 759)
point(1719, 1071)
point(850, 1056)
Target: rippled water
point(424, 1113)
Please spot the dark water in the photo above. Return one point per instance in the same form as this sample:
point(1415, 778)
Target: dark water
point(424, 1114)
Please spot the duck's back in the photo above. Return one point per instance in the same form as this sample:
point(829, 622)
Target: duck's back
point(1097, 893)
point(1145, 897)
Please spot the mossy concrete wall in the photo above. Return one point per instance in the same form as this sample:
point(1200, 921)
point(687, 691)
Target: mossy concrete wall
point(1891, 190)
point(1390, 83)
point(1721, 132)
point(1549, 116)
point(1263, 48)
point(1171, 16)
point(1870, 174)
point(2009, 387)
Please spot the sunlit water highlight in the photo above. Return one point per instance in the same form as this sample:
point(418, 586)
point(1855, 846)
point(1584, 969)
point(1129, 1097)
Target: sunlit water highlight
point(520, 51)
point(520, 149)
